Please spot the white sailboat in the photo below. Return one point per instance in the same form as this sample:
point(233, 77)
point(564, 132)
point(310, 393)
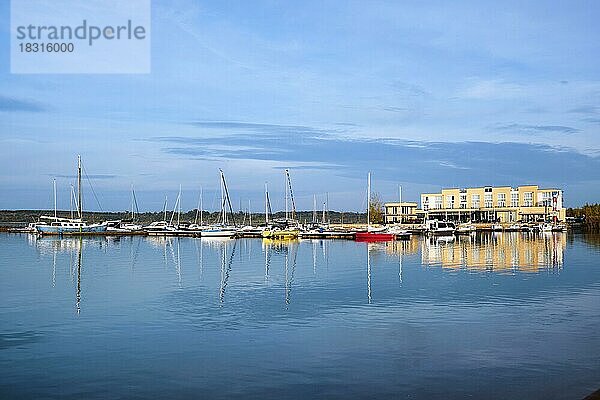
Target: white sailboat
point(372, 234)
point(69, 226)
point(222, 229)
point(172, 228)
point(128, 225)
point(287, 228)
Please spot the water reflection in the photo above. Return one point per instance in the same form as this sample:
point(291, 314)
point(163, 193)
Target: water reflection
point(170, 247)
point(373, 250)
point(74, 248)
point(225, 268)
point(500, 252)
point(195, 304)
point(278, 260)
point(289, 249)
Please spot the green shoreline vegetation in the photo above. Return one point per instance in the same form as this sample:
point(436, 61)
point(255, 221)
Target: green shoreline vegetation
point(589, 214)
point(12, 217)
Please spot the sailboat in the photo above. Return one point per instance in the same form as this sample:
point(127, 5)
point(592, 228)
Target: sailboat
point(158, 226)
point(371, 234)
point(222, 229)
point(288, 228)
point(127, 225)
point(323, 229)
point(249, 230)
point(198, 225)
point(164, 228)
point(69, 226)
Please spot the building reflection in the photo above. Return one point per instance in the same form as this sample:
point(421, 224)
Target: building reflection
point(510, 252)
point(402, 247)
point(499, 252)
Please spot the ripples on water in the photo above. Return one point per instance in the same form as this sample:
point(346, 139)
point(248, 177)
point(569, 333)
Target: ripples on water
point(510, 315)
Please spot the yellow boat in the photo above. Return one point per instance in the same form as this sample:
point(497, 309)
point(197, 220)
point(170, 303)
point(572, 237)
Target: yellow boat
point(280, 233)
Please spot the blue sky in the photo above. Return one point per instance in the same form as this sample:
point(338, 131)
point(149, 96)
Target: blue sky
point(422, 94)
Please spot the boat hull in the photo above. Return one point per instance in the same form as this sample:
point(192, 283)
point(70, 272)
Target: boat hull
point(218, 233)
point(326, 235)
point(283, 234)
point(441, 232)
point(66, 230)
point(373, 237)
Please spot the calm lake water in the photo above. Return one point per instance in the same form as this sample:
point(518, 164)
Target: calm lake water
point(508, 315)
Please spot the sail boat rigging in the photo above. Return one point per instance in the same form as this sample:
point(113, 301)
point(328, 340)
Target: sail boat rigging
point(127, 226)
point(222, 229)
point(69, 226)
point(286, 228)
point(372, 234)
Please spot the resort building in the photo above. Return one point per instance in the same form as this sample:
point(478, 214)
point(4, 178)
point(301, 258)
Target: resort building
point(400, 212)
point(495, 204)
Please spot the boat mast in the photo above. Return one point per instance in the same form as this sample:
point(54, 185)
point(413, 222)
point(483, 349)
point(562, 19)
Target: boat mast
point(249, 212)
point(80, 199)
point(289, 183)
point(227, 200)
point(223, 213)
point(400, 201)
point(54, 186)
point(327, 205)
point(132, 203)
point(165, 209)
point(266, 204)
point(314, 208)
point(173, 212)
point(179, 206)
point(286, 197)
point(201, 207)
point(369, 201)
point(71, 196)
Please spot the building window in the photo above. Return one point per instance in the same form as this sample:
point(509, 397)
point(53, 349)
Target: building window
point(449, 201)
point(463, 200)
point(437, 202)
point(546, 199)
point(528, 199)
point(488, 200)
point(501, 199)
point(514, 199)
point(475, 201)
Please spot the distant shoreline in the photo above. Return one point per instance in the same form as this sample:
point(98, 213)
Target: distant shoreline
point(11, 218)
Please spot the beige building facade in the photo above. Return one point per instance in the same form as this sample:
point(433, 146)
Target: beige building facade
point(400, 212)
point(527, 203)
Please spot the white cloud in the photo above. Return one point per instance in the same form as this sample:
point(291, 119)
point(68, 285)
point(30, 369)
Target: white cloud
point(492, 89)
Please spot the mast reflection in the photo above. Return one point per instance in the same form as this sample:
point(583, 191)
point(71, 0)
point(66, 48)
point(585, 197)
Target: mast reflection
point(225, 268)
point(74, 247)
point(374, 248)
point(282, 246)
point(78, 295)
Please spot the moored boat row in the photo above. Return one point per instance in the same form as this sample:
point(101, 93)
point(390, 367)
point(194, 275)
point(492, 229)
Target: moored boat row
point(276, 229)
point(445, 228)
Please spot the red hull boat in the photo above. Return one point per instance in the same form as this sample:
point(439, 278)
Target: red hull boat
point(373, 237)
